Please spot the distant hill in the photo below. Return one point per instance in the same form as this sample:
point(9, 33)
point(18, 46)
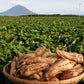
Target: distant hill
point(17, 10)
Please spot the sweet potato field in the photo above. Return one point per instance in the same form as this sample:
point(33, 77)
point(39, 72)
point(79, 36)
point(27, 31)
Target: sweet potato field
point(26, 33)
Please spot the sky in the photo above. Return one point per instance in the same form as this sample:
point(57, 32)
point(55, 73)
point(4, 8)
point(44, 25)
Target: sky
point(47, 6)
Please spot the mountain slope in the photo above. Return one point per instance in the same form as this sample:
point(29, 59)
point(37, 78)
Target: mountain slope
point(17, 11)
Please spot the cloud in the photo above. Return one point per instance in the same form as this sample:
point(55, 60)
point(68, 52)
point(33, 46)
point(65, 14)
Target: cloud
point(17, 2)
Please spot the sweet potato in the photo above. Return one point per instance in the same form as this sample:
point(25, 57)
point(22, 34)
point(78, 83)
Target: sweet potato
point(70, 55)
point(33, 68)
point(13, 66)
point(72, 73)
point(40, 51)
point(58, 67)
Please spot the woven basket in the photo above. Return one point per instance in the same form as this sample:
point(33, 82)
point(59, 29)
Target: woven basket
point(16, 80)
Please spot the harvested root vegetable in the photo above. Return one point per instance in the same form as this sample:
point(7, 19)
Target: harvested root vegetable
point(54, 57)
point(58, 67)
point(20, 55)
point(72, 73)
point(70, 55)
point(13, 66)
point(40, 74)
point(46, 53)
point(54, 79)
point(33, 68)
point(77, 66)
point(32, 60)
point(21, 60)
point(36, 76)
point(43, 65)
point(29, 55)
point(40, 51)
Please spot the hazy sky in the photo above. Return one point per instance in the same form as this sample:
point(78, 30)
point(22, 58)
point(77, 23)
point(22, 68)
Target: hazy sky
point(46, 6)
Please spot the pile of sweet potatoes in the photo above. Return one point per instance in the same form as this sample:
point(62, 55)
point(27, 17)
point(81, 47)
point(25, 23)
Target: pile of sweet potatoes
point(42, 65)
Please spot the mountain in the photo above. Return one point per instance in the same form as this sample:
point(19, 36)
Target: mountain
point(17, 10)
